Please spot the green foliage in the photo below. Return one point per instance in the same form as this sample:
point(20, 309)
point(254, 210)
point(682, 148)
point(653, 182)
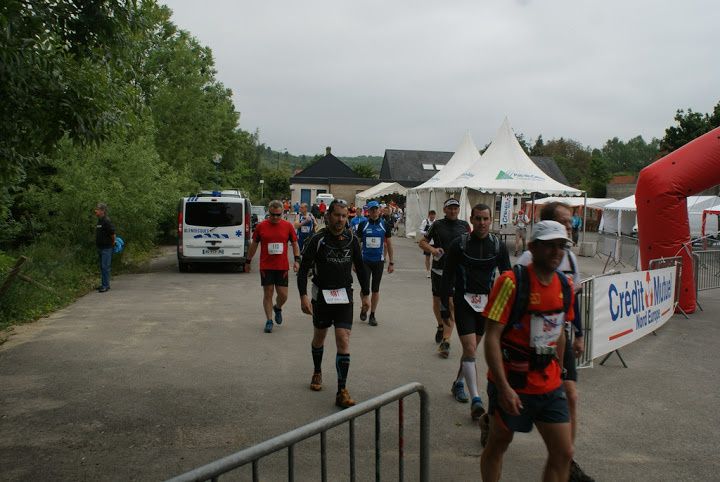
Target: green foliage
point(630, 156)
point(69, 271)
point(57, 77)
point(364, 170)
point(277, 184)
point(572, 158)
point(597, 176)
point(689, 125)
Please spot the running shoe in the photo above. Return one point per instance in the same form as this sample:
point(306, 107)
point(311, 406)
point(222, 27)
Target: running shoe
point(363, 315)
point(278, 315)
point(444, 349)
point(316, 382)
point(476, 408)
point(268, 326)
point(343, 400)
point(458, 391)
point(438, 334)
point(372, 321)
point(484, 429)
point(428, 275)
point(577, 474)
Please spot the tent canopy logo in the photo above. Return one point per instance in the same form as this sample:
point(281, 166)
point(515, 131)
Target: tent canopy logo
point(516, 175)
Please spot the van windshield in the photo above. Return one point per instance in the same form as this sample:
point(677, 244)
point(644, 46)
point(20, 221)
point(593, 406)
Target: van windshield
point(213, 214)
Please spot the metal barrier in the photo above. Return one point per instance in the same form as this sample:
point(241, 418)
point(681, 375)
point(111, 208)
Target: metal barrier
point(707, 269)
point(667, 263)
point(213, 470)
point(586, 309)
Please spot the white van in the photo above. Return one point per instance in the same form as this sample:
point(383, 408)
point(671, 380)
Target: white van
point(214, 227)
point(326, 197)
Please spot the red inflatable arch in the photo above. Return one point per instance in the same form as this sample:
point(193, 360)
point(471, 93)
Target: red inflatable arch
point(660, 197)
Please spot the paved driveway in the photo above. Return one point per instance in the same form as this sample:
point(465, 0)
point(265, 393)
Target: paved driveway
point(168, 371)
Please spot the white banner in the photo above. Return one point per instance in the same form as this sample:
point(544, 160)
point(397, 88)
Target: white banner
point(506, 210)
point(628, 306)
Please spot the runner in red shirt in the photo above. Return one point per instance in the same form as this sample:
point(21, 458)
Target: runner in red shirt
point(273, 235)
point(524, 360)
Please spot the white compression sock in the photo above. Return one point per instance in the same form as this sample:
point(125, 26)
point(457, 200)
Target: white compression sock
point(470, 373)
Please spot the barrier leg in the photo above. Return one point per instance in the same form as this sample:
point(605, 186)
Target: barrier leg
point(619, 356)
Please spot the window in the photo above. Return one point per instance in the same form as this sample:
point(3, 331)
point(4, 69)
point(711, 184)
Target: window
point(439, 166)
point(213, 214)
point(428, 167)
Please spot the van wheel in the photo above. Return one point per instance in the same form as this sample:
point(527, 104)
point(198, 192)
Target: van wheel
point(183, 267)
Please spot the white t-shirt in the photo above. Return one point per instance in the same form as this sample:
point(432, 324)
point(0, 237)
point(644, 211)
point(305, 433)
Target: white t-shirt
point(425, 227)
point(565, 266)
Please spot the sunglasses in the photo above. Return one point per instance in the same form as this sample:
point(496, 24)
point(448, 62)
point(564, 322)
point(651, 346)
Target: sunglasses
point(274, 215)
point(339, 202)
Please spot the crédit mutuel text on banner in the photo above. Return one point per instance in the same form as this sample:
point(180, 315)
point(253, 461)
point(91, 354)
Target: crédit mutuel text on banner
point(629, 306)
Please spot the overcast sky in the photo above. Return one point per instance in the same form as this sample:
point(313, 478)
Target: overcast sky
point(364, 76)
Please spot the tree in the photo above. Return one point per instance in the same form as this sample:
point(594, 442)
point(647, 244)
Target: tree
point(364, 170)
point(631, 156)
point(597, 176)
point(572, 158)
point(538, 149)
point(690, 125)
point(59, 76)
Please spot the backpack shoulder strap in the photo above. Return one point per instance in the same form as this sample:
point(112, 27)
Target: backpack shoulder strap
point(522, 296)
point(496, 243)
point(566, 291)
point(573, 268)
point(464, 238)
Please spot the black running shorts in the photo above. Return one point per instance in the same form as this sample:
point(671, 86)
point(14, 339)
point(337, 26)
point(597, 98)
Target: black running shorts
point(375, 271)
point(435, 282)
point(325, 316)
point(551, 407)
point(277, 277)
point(467, 320)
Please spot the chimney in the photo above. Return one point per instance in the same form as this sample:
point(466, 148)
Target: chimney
point(327, 150)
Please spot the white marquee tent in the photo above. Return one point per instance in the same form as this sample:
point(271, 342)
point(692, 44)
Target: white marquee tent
point(379, 190)
point(621, 216)
point(432, 194)
point(504, 168)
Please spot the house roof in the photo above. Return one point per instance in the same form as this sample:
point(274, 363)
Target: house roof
point(330, 170)
point(407, 166)
point(410, 168)
point(548, 165)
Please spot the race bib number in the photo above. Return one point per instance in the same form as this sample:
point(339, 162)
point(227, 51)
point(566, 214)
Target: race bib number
point(373, 242)
point(545, 329)
point(275, 248)
point(476, 302)
point(305, 229)
point(336, 297)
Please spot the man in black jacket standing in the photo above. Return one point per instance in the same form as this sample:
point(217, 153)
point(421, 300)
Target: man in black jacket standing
point(105, 241)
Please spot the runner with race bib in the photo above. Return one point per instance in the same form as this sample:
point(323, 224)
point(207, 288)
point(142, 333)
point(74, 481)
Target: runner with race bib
point(470, 267)
point(331, 254)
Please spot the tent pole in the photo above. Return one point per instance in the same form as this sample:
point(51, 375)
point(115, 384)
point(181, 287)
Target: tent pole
point(532, 211)
point(582, 239)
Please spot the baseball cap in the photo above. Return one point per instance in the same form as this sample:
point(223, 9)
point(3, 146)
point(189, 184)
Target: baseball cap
point(373, 204)
point(547, 230)
point(451, 202)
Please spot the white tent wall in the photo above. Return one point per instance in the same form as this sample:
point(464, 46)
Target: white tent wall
point(379, 190)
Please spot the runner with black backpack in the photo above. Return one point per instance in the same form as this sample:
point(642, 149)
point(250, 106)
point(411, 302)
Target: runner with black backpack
point(472, 261)
point(524, 344)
